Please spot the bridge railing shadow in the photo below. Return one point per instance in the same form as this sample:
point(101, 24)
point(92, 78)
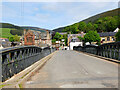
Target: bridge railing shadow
point(15, 59)
point(109, 50)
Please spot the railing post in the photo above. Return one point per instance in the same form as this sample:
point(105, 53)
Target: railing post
point(0, 67)
point(119, 54)
point(107, 51)
point(110, 53)
point(103, 51)
point(114, 52)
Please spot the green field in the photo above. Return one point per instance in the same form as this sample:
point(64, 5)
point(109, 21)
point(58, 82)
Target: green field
point(5, 32)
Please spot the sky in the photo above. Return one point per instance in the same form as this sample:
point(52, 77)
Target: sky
point(51, 15)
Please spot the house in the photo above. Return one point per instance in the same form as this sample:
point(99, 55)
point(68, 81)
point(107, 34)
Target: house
point(29, 37)
point(46, 38)
point(107, 37)
point(4, 42)
point(37, 38)
point(74, 41)
point(116, 30)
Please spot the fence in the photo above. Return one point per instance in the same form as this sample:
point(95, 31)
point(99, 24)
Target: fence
point(14, 60)
point(109, 50)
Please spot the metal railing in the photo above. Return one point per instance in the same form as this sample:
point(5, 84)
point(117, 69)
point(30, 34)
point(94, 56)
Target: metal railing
point(109, 50)
point(15, 59)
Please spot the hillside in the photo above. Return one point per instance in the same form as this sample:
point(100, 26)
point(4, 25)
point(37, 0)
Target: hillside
point(5, 32)
point(94, 18)
point(8, 29)
point(8, 25)
point(34, 28)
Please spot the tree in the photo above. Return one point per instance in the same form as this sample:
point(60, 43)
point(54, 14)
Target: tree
point(89, 27)
point(53, 41)
point(111, 24)
point(11, 39)
point(18, 32)
point(67, 29)
point(107, 24)
point(57, 36)
point(118, 36)
point(61, 37)
point(66, 38)
point(92, 36)
point(95, 27)
point(74, 29)
point(81, 38)
point(14, 38)
point(82, 26)
point(17, 38)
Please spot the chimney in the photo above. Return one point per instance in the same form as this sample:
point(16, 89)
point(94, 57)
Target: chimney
point(24, 31)
point(47, 34)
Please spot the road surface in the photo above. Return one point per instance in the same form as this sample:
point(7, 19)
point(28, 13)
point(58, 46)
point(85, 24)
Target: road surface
point(72, 69)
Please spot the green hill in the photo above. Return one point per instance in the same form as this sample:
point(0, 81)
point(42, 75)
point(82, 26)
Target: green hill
point(8, 25)
point(93, 19)
point(8, 29)
point(5, 32)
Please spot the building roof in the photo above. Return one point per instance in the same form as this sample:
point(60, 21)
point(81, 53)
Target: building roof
point(76, 39)
point(116, 30)
point(62, 33)
point(104, 34)
point(75, 35)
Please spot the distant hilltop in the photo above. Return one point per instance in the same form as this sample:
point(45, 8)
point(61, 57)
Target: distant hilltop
point(92, 19)
point(8, 25)
point(35, 28)
point(9, 30)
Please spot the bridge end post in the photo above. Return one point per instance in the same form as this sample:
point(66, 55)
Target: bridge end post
point(0, 67)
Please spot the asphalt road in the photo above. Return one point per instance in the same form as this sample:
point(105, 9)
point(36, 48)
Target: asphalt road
point(71, 69)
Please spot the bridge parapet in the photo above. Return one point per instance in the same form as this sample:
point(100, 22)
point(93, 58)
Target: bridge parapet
point(13, 60)
point(109, 50)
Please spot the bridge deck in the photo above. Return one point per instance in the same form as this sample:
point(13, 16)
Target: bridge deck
point(71, 69)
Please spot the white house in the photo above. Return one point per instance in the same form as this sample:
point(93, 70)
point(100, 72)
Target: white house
point(74, 41)
point(116, 30)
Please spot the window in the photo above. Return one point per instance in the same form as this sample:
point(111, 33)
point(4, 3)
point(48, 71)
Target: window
point(73, 40)
point(113, 39)
point(108, 38)
point(29, 39)
point(103, 39)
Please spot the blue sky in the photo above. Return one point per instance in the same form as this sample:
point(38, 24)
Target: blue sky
point(51, 15)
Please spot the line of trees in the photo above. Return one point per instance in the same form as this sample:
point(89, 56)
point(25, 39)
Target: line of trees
point(105, 24)
point(18, 32)
point(118, 36)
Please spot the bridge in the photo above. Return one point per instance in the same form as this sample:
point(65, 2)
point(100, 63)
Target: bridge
point(83, 67)
point(71, 69)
